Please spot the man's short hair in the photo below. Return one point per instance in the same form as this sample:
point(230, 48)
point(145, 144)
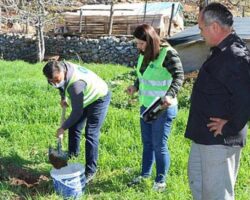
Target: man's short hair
point(53, 67)
point(216, 12)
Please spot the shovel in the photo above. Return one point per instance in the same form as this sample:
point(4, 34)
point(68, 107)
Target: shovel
point(57, 157)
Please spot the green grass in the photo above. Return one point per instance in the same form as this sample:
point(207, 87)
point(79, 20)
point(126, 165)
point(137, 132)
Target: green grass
point(30, 115)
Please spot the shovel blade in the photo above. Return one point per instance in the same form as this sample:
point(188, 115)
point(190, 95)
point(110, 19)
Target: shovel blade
point(57, 160)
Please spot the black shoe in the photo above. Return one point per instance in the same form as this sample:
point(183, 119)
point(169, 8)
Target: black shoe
point(90, 177)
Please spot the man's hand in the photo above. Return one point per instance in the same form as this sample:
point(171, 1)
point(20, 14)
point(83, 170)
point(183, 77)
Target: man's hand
point(131, 90)
point(59, 133)
point(216, 125)
point(64, 103)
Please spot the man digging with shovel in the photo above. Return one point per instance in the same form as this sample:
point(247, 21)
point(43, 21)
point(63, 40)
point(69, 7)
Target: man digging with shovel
point(90, 98)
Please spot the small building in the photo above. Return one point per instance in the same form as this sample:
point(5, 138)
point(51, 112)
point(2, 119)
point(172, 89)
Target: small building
point(191, 46)
point(95, 19)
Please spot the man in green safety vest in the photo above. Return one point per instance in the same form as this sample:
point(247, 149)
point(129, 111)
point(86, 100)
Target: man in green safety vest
point(90, 98)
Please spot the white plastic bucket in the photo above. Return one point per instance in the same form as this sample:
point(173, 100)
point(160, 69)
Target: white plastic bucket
point(69, 181)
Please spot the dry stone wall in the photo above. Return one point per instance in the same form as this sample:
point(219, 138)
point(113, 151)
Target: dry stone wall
point(103, 50)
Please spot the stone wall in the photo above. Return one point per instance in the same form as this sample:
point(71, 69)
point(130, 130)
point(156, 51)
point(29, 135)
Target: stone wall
point(103, 50)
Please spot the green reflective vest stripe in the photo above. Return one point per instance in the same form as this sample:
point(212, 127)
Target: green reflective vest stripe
point(95, 86)
point(152, 93)
point(155, 81)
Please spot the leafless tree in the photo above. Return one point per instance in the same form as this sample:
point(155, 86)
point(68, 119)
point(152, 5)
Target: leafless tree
point(40, 29)
point(203, 3)
point(40, 13)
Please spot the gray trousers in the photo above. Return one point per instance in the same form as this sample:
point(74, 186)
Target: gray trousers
point(212, 171)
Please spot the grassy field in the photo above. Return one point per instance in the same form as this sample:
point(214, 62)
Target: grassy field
point(30, 114)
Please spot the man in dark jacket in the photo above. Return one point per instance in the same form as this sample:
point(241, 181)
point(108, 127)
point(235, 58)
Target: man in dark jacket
point(220, 108)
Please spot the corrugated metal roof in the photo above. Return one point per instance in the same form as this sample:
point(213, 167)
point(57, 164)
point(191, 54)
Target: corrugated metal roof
point(192, 34)
point(163, 8)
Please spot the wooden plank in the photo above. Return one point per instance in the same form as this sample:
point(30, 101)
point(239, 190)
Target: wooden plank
point(80, 22)
point(111, 18)
point(120, 25)
point(127, 17)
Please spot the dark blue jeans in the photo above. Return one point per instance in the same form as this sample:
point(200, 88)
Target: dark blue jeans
point(93, 116)
point(154, 138)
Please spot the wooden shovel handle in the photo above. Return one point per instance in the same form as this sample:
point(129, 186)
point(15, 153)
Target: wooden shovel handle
point(63, 114)
point(59, 141)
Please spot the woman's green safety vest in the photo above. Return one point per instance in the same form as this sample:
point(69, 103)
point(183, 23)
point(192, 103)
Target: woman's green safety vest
point(155, 81)
point(95, 86)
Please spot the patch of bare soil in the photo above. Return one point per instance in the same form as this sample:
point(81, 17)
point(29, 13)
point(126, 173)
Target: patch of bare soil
point(17, 176)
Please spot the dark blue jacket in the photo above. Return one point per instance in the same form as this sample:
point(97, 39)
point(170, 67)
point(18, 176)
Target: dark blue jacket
point(222, 90)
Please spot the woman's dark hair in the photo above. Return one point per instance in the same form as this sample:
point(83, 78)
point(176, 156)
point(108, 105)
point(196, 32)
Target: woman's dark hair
point(53, 67)
point(148, 34)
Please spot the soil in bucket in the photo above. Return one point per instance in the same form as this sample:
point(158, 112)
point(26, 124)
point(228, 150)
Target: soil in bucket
point(69, 181)
point(58, 160)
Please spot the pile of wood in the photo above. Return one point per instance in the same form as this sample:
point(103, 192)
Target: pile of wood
point(122, 25)
point(97, 20)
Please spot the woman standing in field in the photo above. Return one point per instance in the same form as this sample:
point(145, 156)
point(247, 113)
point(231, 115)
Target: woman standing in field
point(90, 98)
point(159, 74)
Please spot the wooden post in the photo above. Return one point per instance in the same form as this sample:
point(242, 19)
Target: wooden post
point(80, 22)
point(27, 25)
point(170, 20)
point(145, 10)
point(111, 18)
point(0, 17)
point(243, 8)
point(85, 23)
